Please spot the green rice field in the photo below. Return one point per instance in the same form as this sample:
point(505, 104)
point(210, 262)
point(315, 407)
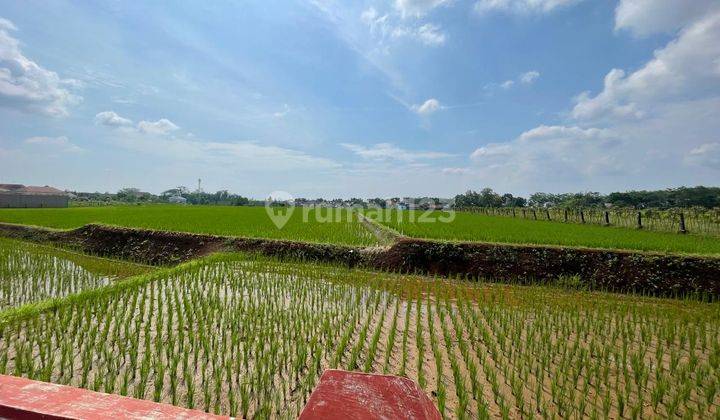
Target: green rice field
point(476, 227)
point(311, 225)
point(249, 337)
point(341, 226)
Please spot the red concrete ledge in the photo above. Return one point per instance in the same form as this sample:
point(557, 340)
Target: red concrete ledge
point(339, 395)
point(346, 395)
point(26, 399)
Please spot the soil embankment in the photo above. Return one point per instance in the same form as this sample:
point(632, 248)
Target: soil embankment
point(593, 268)
point(384, 234)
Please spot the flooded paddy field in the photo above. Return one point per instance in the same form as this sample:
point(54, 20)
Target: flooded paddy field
point(32, 273)
point(249, 337)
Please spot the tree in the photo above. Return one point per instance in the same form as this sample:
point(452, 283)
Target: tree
point(129, 195)
point(378, 202)
point(469, 199)
point(508, 200)
point(541, 199)
point(489, 198)
point(356, 203)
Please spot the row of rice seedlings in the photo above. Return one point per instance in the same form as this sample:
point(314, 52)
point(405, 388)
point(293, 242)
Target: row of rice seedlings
point(601, 353)
point(250, 338)
point(392, 334)
point(245, 339)
point(572, 358)
point(29, 276)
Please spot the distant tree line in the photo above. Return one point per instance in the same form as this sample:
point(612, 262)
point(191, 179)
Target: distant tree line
point(422, 203)
point(135, 196)
point(219, 198)
point(488, 198)
point(707, 197)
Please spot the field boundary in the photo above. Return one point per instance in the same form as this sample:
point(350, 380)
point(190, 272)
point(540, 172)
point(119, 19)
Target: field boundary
point(384, 234)
point(596, 269)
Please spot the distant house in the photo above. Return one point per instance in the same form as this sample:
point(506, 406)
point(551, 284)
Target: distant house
point(20, 196)
point(177, 199)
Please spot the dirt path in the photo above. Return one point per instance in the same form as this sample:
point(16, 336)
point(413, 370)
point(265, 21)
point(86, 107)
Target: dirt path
point(384, 234)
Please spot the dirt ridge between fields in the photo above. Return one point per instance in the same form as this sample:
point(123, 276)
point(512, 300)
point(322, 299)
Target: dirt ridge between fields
point(384, 234)
point(653, 273)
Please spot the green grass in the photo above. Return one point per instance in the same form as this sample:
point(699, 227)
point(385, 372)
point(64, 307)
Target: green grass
point(475, 227)
point(221, 334)
point(318, 225)
point(341, 227)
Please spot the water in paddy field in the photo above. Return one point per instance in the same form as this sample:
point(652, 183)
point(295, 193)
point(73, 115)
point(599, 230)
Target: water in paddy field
point(31, 273)
point(249, 337)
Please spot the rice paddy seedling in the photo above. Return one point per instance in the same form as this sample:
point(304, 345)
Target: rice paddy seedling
point(31, 273)
point(405, 350)
point(391, 337)
point(249, 336)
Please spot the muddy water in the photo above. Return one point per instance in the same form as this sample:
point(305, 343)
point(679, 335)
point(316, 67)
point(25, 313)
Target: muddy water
point(31, 273)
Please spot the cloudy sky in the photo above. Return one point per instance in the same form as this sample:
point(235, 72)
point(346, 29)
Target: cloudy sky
point(369, 98)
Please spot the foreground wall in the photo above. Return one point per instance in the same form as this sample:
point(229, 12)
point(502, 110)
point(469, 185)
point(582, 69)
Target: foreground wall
point(652, 273)
point(22, 398)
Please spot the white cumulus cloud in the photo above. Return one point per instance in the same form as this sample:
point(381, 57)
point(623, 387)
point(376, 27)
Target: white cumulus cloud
point(646, 17)
point(7, 25)
point(161, 126)
point(550, 154)
point(529, 77)
point(428, 107)
point(27, 86)
point(111, 119)
point(687, 67)
point(655, 126)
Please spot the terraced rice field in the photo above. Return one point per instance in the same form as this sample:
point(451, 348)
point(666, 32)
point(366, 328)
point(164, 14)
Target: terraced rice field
point(477, 227)
point(249, 337)
point(323, 225)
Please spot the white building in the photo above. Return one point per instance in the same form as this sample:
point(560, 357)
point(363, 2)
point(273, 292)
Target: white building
point(177, 199)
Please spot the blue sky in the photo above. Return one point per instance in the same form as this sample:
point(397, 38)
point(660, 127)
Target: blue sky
point(374, 98)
